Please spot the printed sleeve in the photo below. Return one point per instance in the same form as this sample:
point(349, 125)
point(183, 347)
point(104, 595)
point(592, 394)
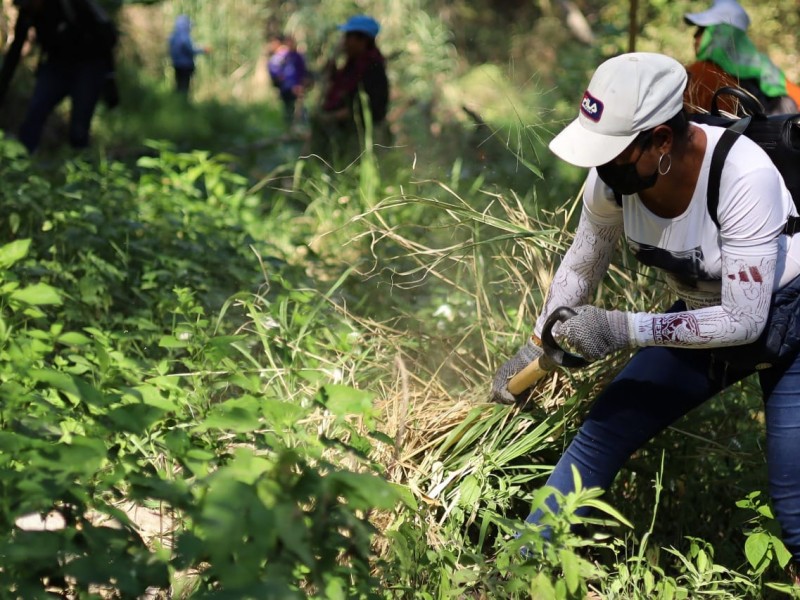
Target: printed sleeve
point(583, 266)
point(751, 219)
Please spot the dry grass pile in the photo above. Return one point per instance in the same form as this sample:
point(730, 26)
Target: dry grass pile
point(432, 376)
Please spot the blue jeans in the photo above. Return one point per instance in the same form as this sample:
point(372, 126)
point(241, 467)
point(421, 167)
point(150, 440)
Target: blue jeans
point(657, 387)
point(82, 81)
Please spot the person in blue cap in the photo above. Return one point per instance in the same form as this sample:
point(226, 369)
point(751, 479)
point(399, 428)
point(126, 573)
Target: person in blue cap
point(182, 51)
point(337, 130)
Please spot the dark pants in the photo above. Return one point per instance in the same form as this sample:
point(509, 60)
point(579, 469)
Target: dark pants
point(183, 79)
point(289, 101)
point(657, 387)
point(341, 142)
point(82, 81)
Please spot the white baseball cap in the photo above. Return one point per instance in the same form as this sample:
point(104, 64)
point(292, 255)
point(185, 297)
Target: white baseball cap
point(628, 94)
point(722, 12)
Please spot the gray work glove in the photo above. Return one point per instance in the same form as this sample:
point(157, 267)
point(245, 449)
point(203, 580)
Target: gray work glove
point(525, 356)
point(594, 332)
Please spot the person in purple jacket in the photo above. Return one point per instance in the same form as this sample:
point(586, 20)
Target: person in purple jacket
point(287, 70)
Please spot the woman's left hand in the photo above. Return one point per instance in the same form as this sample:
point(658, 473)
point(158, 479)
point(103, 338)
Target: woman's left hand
point(593, 332)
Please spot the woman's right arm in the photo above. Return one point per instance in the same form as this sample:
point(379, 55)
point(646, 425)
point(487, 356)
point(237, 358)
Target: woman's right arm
point(588, 257)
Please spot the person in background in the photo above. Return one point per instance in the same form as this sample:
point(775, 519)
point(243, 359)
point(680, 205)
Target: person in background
point(182, 52)
point(727, 57)
point(287, 71)
point(735, 282)
point(338, 127)
point(76, 40)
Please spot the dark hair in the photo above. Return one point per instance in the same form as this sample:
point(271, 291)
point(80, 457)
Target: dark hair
point(360, 34)
point(679, 125)
point(645, 138)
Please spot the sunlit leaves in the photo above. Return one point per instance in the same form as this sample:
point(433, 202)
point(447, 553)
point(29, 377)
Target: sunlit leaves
point(121, 384)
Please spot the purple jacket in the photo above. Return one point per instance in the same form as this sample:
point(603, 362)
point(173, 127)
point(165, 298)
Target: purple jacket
point(287, 68)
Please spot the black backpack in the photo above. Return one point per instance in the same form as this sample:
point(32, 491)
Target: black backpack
point(778, 136)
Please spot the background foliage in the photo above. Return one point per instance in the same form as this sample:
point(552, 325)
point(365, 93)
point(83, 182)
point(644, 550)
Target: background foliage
point(228, 371)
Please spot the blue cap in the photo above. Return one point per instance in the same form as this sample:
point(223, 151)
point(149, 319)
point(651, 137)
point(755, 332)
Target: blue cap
point(361, 24)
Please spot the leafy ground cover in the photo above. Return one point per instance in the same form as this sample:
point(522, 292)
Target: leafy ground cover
point(233, 373)
point(295, 395)
point(121, 388)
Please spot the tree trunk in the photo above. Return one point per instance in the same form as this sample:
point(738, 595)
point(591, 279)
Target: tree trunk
point(633, 25)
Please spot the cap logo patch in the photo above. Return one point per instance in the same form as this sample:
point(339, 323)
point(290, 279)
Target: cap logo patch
point(591, 107)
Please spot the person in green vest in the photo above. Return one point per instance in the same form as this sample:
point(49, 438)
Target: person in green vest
point(723, 48)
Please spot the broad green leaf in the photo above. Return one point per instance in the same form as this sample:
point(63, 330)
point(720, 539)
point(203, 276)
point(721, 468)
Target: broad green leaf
point(149, 162)
point(335, 590)
point(31, 546)
point(649, 582)
point(69, 384)
point(60, 381)
point(13, 252)
point(470, 491)
point(198, 461)
point(246, 466)
point(168, 341)
point(293, 531)
point(571, 569)
point(73, 338)
point(165, 382)
point(756, 548)
point(362, 490)
point(200, 454)
point(405, 495)
point(135, 418)
point(782, 555)
point(81, 455)
point(151, 395)
point(37, 294)
point(766, 511)
point(344, 400)
point(239, 415)
point(702, 561)
point(13, 443)
point(280, 414)
point(542, 588)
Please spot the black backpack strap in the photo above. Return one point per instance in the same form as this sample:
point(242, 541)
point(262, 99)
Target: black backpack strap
point(729, 137)
point(792, 226)
point(715, 172)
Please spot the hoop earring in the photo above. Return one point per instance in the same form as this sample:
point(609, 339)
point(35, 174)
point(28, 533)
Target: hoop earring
point(661, 170)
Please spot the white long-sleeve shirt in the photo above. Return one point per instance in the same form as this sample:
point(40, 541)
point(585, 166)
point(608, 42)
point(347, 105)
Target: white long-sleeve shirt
point(726, 275)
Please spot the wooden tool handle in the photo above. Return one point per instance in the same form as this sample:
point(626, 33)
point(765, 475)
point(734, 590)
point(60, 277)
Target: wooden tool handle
point(528, 376)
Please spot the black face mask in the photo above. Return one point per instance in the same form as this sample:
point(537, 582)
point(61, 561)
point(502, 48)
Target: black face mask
point(624, 179)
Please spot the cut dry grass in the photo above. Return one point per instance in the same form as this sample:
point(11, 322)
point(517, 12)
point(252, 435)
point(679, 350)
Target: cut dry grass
point(494, 264)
